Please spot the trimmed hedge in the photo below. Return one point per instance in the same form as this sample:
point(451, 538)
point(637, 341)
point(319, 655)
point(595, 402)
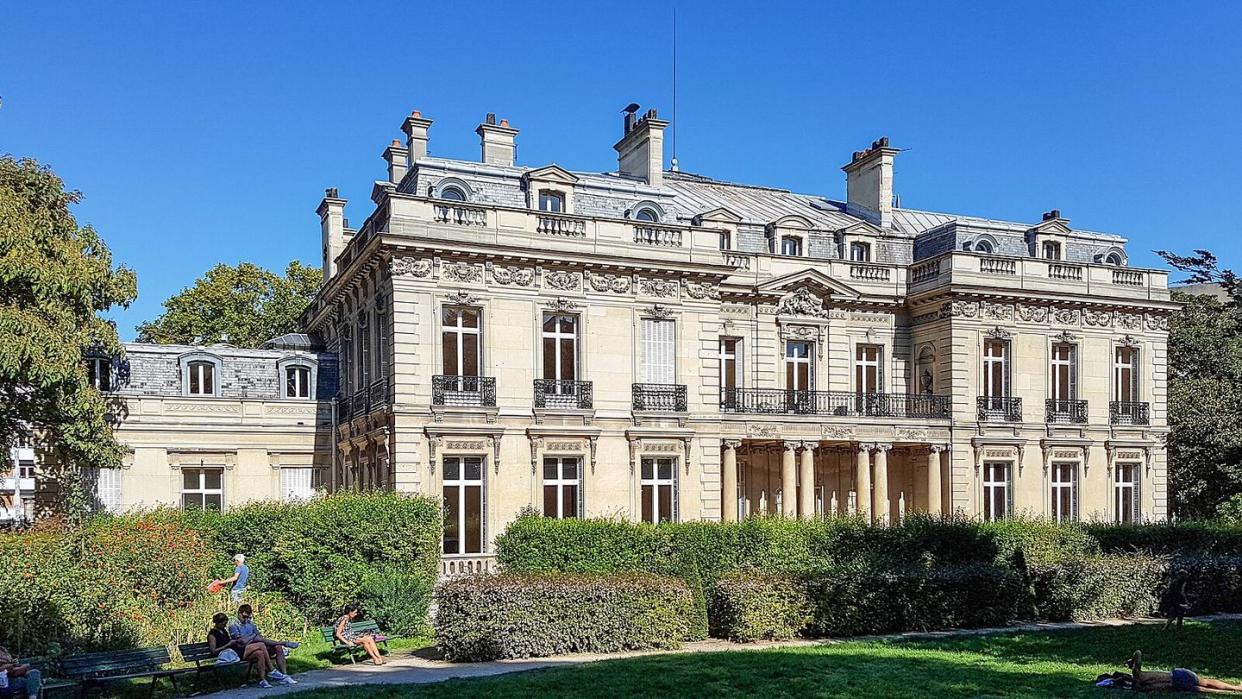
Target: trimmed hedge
point(1098, 587)
point(750, 606)
point(521, 616)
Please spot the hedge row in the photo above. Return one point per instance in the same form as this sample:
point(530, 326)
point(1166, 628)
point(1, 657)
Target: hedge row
point(520, 616)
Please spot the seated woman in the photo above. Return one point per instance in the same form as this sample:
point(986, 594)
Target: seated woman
point(352, 638)
point(1180, 680)
point(23, 679)
point(231, 650)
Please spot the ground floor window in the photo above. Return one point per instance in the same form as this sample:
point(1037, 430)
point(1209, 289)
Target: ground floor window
point(1126, 494)
point(202, 488)
point(997, 490)
point(659, 494)
point(1064, 484)
point(297, 483)
point(105, 485)
point(463, 504)
point(562, 487)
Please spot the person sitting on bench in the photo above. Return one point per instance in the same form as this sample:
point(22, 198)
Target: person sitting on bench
point(23, 680)
point(245, 631)
point(230, 650)
point(351, 638)
point(1179, 680)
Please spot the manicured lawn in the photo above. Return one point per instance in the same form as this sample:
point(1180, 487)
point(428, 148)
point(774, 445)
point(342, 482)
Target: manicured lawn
point(1047, 664)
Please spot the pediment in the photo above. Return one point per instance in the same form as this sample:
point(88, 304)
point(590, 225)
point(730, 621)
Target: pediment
point(861, 228)
point(552, 173)
point(793, 221)
point(719, 214)
point(1056, 226)
point(809, 279)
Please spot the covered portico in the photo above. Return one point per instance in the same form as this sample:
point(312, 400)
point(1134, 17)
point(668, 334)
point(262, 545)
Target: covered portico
point(882, 480)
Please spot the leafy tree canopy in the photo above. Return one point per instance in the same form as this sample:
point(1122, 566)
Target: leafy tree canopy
point(243, 305)
point(1205, 391)
point(55, 279)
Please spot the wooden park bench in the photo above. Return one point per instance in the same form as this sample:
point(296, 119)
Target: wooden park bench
point(360, 628)
point(94, 670)
point(205, 662)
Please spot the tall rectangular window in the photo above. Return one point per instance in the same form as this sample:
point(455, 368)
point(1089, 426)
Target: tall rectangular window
point(297, 382)
point(1064, 372)
point(1064, 484)
point(799, 365)
point(659, 355)
point(659, 489)
point(791, 245)
point(562, 487)
point(105, 483)
point(364, 352)
point(997, 490)
point(1125, 374)
point(463, 504)
point(1052, 250)
point(202, 379)
point(297, 483)
point(560, 347)
point(726, 240)
point(730, 356)
point(99, 373)
point(996, 368)
point(202, 488)
point(461, 341)
point(867, 375)
point(1126, 502)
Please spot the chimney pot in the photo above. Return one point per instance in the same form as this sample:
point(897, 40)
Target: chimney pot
point(331, 193)
point(491, 118)
point(504, 123)
point(416, 114)
point(396, 143)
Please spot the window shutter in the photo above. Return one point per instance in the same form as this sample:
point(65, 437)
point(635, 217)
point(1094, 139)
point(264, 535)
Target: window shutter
point(658, 351)
point(1073, 357)
point(1136, 358)
point(581, 488)
point(1074, 495)
point(1009, 484)
point(676, 491)
point(1006, 348)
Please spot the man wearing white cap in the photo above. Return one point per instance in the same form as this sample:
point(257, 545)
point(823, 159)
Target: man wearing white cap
point(241, 575)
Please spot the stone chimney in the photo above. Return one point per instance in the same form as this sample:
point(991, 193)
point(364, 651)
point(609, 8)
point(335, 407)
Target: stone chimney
point(415, 129)
point(498, 143)
point(640, 152)
point(394, 155)
point(332, 224)
point(869, 183)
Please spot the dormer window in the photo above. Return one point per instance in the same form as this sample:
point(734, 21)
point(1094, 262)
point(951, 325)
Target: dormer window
point(297, 382)
point(1113, 259)
point(201, 380)
point(452, 194)
point(860, 252)
point(726, 240)
point(791, 245)
point(646, 214)
point(552, 202)
point(984, 246)
point(1051, 250)
point(99, 373)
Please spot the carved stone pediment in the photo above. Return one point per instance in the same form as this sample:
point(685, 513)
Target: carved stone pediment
point(801, 302)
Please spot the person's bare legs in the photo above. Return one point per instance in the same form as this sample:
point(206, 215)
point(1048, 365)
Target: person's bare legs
point(1148, 681)
point(368, 644)
point(257, 653)
point(278, 655)
point(1213, 683)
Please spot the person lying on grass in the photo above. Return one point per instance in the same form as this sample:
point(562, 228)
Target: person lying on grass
point(1180, 680)
point(352, 638)
point(245, 631)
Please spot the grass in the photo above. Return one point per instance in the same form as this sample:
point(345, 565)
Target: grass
point(1044, 664)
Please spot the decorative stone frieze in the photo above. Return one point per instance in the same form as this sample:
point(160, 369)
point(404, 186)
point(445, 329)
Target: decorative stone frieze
point(762, 431)
point(512, 275)
point(801, 302)
point(562, 280)
point(1066, 316)
point(461, 298)
point(837, 432)
point(661, 288)
point(1155, 322)
point(702, 291)
point(409, 267)
point(611, 283)
point(1032, 314)
point(464, 272)
point(659, 310)
point(562, 304)
point(996, 311)
point(1099, 319)
point(799, 332)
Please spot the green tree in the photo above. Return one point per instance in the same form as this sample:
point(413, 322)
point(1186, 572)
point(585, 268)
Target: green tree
point(245, 304)
point(1205, 391)
point(56, 277)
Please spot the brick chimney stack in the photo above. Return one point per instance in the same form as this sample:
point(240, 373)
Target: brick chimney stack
point(869, 183)
point(640, 152)
point(332, 226)
point(498, 143)
point(395, 156)
point(415, 128)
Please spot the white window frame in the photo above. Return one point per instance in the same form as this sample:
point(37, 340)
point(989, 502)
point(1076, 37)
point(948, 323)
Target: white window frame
point(992, 486)
point(107, 487)
point(796, 243)
point(99, 373)
point(1120, 367)
point(1051, 250)
point(461, 331)
point(859, 246)
point(1068, 365)
point(299, 376)
point(808, 360)
point(990, 359)
point(303, 488)
point(198, 371)
point(460, 484)
point(1057, 486)
point(725, 240)
point(655, 482)
point(202, 490)
point(659, 351)
point(560, 483)
point(557, 335)
point(723, 355)
point(552, 194)
point(860, 362)
point(1135, 486)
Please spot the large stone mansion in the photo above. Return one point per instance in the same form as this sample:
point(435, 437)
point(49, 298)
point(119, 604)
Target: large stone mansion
point(658, 345)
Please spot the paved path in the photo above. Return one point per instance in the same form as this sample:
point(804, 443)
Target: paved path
point(405, 668)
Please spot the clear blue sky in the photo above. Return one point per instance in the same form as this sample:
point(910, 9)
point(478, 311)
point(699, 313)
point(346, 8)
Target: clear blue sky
point(206, 132)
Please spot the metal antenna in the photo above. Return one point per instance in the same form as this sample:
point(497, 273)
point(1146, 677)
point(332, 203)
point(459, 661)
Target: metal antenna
point(674, 88)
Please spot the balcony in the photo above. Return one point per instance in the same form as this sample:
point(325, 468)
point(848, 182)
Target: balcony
point(358, 404)
point(377, 395)
point(463, 391)
point(343, 409)
point(1123, 412)
point(660, 236)
point(1065, 411)
point(1000, 409)
point(665, 397)
point(554, 224)
point(838, 403)
point(460, 214)
point(565, 395)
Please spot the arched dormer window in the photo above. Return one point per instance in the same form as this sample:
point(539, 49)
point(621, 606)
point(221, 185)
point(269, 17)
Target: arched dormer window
point(648, 215)
point(452, 189)
point(200, 374)
point(646, 211)
point(298, 377)
point(1112, 256)
point(452, 194)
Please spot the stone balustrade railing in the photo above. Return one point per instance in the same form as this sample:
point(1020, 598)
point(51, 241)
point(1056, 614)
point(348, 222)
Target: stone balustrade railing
point(662, 236)
point(568, 226)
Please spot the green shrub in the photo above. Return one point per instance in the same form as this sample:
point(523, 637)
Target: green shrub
point(397, 600)
point(749, 606)
point(1213, 584)
point(519, 616)
point(1098, 587)
point(1208, 538)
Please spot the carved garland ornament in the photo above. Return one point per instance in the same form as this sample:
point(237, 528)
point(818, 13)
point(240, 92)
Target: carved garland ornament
point(658, 287)
point(562, 280)
point(462, 272)
point(512, 276)
point(610, 282)
point(702, 291)
point(409, 267)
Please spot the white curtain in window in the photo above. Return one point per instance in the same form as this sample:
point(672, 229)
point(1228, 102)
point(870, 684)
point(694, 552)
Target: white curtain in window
point(658, 351)
point(297, 483)
point(108, 489)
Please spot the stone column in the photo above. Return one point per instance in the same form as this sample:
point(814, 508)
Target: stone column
point(880, 505)
point(933, 480)
point(728, 481)
point(862, 481)
point(806, 476)
point(789, 482)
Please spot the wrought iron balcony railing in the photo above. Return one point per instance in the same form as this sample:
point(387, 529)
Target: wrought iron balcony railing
point(573, 395)
point(359, 403)
point(378, 393)
point(342, 410)
point(477, 391)
point(842, 403)
point(1065, 411)
point(659, 396)
point(1123, 412)
point(1000, 409)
